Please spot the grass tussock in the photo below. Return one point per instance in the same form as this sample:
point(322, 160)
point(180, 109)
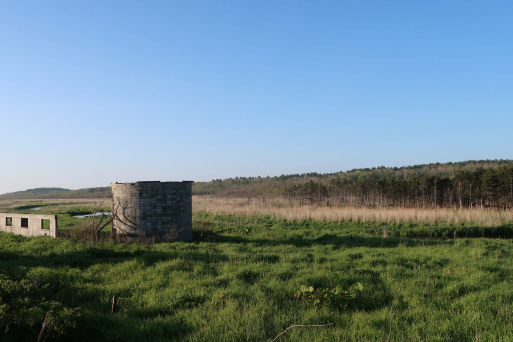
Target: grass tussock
point(283, 209)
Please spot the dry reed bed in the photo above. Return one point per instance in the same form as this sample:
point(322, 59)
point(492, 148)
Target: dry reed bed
point(283, 209)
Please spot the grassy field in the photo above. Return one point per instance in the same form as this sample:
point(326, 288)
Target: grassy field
point(237, 282)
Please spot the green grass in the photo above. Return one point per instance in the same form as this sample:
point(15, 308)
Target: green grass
point(244, 225)
point(238, 280)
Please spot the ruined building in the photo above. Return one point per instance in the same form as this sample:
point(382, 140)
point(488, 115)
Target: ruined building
point(29, 224)
point(160, 210)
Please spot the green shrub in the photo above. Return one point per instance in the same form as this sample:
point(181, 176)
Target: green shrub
point(329, 296)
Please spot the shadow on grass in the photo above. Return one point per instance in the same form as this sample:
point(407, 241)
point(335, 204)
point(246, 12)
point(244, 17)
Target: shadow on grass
point(504, 231)
point(336, 241)
point(118, 328)
point(94, 256)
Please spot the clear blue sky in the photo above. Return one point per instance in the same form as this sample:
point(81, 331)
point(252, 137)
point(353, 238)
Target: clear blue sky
point(98, 91)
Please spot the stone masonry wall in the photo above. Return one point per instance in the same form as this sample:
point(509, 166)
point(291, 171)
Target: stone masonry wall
point(29, 224)
point(153, 209)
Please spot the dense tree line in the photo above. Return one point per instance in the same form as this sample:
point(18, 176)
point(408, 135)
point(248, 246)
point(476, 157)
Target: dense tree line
point(273, 186)
point(488, 188)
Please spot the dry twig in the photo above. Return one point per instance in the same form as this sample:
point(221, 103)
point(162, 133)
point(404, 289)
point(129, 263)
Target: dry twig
point(301, 326)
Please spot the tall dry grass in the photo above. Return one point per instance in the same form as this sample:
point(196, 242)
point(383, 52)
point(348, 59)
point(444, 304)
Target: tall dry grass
point(283, 209)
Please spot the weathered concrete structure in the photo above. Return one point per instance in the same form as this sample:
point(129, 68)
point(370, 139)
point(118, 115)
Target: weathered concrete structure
point(29, 224)
point(160, 210)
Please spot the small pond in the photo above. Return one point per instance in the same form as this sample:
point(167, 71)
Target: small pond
point(89, 215)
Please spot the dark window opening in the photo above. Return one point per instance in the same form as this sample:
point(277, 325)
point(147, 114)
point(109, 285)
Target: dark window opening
point(8, 221)
point(45, 224)
point(24, 222)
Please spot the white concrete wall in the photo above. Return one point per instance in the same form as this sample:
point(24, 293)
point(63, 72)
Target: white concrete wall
point(35, 225)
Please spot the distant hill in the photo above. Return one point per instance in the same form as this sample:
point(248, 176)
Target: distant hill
point(56, 193)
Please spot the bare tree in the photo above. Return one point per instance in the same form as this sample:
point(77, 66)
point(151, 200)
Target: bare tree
point(96, 223)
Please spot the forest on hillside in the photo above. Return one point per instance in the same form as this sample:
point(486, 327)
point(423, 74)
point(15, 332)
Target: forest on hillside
point(489, 188)
point(485, 183)
point(485, 188)
point(469, 184)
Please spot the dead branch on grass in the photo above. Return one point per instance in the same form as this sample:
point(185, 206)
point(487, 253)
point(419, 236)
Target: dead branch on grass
point(301, 326)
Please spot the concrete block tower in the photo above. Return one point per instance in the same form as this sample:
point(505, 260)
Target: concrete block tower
point(156, 209)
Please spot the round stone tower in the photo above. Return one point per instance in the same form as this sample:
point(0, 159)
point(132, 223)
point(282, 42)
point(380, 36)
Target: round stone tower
point(160, 210)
